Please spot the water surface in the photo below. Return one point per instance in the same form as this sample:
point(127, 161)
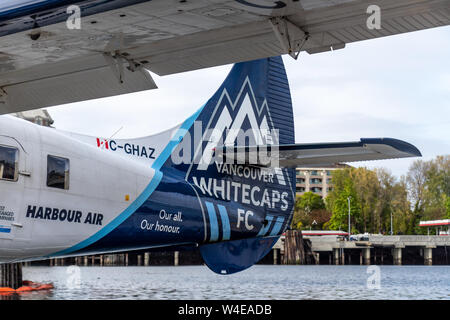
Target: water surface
point(258, 282)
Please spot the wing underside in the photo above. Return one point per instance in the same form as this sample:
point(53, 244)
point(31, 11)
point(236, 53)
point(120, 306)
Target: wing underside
point(119, 38)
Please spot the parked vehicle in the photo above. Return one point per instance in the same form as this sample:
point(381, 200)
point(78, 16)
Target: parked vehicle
point(359, 237)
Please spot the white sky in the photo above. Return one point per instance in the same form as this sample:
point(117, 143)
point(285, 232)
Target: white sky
point(397, 87)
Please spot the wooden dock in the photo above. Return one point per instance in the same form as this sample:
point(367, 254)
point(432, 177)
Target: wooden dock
point(396, 250)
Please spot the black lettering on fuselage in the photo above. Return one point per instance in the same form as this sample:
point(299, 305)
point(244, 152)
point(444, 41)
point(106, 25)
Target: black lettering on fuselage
point(71, 215)
point(78, 217)
point(99, 219)
point(55, 214)
point(88, 218)
point(113, 145)
point(135, 150)
point(144, 153)
point(31, 211)
point(63, 215)
point(48, 212)
point(152, 151)
point(39, 213)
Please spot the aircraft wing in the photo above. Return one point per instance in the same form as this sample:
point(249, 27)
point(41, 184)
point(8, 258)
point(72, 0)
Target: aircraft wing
point(49, 57)
point(319, 154)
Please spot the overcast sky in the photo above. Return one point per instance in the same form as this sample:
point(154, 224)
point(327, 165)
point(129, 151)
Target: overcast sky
point(396, 87)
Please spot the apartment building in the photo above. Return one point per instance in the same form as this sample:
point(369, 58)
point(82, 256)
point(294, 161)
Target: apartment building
point(316, 179)
point(38, 116)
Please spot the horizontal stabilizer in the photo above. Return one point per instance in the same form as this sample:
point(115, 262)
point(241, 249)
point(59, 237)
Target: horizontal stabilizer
point(313, 154)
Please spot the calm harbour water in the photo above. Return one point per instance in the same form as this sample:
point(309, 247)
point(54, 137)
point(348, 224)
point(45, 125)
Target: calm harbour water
point(258, 282)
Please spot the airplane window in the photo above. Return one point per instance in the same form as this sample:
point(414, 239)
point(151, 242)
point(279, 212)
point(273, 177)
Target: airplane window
point(57, 172)
point(9, 167)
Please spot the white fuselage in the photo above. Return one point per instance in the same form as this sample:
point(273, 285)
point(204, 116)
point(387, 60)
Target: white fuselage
point(37, 220)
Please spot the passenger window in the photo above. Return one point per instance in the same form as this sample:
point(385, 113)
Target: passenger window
point(9, 167)
point(57, 172)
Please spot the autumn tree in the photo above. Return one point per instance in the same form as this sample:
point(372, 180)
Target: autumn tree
point(428, 184)
point(378, 199)
point(310, 212)
point(437, 188)
point(337, 202)
point(369, 193)
point(416, 180)
point(375, 196)
point(403, 217)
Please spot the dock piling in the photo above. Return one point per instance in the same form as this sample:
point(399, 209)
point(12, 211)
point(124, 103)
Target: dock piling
point(397, 254)
point(11, 275)
point(428, 256)
point(176, 258)
point(366, 256)
point(336, 256)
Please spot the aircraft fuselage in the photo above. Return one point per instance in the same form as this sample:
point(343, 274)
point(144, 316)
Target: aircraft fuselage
point(65, 195)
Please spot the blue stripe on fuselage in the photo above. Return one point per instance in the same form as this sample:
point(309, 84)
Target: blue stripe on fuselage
point(262, 232)
point(277, 226)
point(212, 221)
point(225, 222)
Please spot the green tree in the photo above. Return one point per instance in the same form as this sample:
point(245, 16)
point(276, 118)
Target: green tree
point(337, 202)
point(309, 201)
point(416, 180)
point(309, 212)
point(370, 197)
point(429, 189)
point(437, 187)
point(376, 196)
point(403, 218)
point(447, 207)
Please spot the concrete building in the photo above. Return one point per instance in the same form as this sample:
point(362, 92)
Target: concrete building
point(316, 179)
point(38, 116)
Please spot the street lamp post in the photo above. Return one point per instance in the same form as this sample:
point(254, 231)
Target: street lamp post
point(392, 229)
point(392, 232)
point(348, 198)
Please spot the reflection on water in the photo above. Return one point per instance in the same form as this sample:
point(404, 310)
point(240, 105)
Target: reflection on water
point(258, 282)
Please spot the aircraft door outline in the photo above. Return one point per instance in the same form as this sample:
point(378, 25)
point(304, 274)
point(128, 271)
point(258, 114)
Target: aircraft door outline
point(12, 185)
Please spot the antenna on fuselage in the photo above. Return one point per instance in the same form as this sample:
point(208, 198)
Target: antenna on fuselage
point(116, 133)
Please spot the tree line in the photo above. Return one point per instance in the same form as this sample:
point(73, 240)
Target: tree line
point(377, 198)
